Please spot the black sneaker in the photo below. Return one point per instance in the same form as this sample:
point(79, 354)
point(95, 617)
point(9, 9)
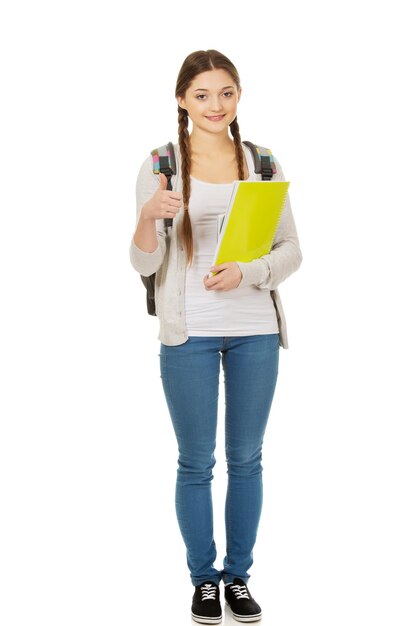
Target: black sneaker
point(243, 606)
point(206, 607)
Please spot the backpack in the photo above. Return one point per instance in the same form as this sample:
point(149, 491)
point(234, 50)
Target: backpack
point(164, 161)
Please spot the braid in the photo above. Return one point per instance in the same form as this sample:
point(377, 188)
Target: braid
point(239, 153)
point(184, 144)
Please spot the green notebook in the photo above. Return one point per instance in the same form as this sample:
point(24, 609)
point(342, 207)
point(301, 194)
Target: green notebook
point(251, 220)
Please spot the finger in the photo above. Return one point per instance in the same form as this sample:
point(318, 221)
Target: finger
point(174, 202)
point(171, 205)
point(175, 194)
point(214, 283)
point(163, 181)
point(219, 268)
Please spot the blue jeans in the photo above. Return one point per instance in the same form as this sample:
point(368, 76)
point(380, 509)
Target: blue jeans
point(190, 378)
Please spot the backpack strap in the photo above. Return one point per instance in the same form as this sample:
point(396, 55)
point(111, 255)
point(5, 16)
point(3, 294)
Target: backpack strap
point(264, 163)
point(164, 161)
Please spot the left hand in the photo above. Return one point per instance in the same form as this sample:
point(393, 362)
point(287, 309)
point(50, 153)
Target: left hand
point(228, 277)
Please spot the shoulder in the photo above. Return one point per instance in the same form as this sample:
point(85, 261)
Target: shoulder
point(146, 167)
point(146, 179)
point(155, 152)
point(255, 151)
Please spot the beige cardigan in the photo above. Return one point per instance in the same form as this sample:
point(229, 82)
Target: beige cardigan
point(169, 259)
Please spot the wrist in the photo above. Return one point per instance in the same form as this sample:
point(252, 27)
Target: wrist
point(145, 217)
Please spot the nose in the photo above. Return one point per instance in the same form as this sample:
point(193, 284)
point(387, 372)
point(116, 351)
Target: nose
point(215, 105)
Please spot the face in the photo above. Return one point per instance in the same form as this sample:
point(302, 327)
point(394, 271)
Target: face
point(211, 100)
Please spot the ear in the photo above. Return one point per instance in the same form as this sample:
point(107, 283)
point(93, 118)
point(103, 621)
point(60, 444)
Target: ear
point(180, 102)
point(239, 94)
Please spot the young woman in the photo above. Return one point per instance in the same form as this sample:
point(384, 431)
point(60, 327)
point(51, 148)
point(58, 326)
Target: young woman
point(234, 317)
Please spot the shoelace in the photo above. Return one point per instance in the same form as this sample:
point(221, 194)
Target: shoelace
point(208, 592)
point(240, 591)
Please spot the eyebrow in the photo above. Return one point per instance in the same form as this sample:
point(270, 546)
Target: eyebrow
point(227, 87)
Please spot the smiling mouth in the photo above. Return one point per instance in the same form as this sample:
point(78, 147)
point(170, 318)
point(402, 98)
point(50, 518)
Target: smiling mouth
point(215, 118)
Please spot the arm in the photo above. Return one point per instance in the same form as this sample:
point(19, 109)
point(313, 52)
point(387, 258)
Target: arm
point(270, 270)
point(148, 245)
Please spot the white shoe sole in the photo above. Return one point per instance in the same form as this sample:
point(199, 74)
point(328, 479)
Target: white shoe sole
point(206, 620)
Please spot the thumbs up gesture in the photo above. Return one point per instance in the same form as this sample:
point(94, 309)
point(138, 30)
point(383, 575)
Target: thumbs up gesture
point(163, 204)
point(163, 181)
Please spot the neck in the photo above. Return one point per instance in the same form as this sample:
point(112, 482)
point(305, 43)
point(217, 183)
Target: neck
point(210, 143)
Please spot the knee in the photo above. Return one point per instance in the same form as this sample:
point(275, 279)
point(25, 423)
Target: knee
point(193, 469)
point(244, 462)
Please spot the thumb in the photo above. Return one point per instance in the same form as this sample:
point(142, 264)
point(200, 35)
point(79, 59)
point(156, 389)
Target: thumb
point(163, 181)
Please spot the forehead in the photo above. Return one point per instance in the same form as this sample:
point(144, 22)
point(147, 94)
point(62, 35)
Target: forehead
point(212, 80)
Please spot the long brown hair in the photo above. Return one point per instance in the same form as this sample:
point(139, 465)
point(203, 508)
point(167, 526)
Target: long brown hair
point(194, 64)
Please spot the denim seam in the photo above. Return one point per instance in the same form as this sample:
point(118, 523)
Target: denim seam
point(228, 492)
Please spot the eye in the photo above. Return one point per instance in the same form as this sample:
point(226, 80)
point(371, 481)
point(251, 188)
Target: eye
point(200, 95)
point(230, 93)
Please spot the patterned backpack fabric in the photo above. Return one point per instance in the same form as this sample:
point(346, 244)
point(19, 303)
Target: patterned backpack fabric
point(164, 160)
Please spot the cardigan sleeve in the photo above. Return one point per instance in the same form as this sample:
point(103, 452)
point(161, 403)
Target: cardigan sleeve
point(285, 257)
point(147, 183)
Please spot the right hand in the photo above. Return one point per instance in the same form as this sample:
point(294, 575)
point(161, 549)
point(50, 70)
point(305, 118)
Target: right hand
point(163, 204)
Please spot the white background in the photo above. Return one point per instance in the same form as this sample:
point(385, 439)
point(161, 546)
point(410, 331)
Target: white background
point(88, 455)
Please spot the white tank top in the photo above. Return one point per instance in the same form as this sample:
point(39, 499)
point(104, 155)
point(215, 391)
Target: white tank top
point(238, 312)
